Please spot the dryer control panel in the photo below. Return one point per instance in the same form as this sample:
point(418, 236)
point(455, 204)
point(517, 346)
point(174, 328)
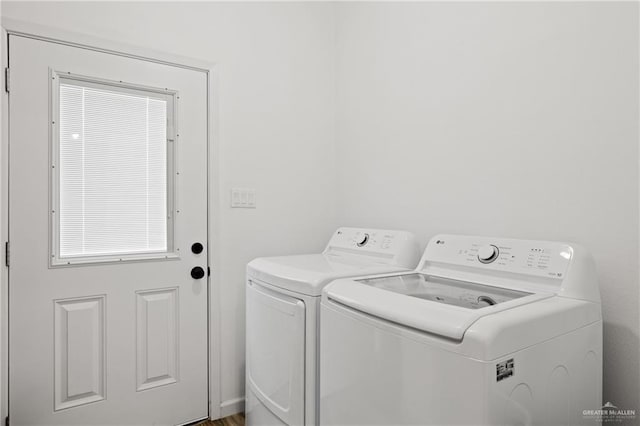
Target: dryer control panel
point(537, 258)
point(389, 246)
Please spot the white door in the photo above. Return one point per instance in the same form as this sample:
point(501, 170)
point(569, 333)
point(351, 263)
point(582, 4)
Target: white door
point(107, 195)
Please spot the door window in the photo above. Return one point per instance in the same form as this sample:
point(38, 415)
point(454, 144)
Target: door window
point(112, 191)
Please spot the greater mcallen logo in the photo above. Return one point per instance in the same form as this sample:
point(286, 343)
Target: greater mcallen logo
point(609, 413)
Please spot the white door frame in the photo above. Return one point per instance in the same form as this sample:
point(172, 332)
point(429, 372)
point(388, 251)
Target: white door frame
point(9, 27)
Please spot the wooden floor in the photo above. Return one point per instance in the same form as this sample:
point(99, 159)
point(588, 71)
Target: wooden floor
point(235, 420)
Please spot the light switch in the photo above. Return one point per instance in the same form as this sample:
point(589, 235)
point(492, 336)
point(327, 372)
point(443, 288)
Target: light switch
point(235, 197)
point(243, 198)
point(251, 199)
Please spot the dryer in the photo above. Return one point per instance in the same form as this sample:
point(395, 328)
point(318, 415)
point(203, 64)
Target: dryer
point(485, 331)
point(283, 300)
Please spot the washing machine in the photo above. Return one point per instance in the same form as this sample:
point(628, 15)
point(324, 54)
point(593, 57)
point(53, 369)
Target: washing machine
point(485, 331)
point(283, 300)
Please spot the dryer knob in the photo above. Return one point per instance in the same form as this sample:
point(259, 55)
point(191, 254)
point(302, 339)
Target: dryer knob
point(362, 240)
point(488, 254)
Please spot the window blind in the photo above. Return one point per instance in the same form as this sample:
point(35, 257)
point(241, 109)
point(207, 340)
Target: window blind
point(112, 172)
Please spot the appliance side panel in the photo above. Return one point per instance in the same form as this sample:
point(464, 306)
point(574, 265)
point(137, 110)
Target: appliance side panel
point(555, 382)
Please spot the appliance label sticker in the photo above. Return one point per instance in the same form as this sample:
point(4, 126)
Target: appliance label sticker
point(504, 369)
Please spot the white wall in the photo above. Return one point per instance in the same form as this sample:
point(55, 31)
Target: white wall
point(276, 122)
point(506, 119)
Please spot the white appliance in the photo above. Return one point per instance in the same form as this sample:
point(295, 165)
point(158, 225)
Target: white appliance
point(486, 331)
point(283, 303)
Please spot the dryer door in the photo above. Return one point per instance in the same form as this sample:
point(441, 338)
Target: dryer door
point(275, 352)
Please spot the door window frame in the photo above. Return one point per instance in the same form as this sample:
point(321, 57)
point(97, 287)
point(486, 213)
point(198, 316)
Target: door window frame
point(172, 98)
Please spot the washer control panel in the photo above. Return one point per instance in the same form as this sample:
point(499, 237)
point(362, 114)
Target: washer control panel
point(539, 258)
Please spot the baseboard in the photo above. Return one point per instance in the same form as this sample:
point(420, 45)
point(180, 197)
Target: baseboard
point(232, 406)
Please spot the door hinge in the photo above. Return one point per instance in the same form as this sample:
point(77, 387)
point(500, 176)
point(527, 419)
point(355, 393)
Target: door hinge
point(6, 421)
point(7, 79)
point(208, 271)
point(7, 254)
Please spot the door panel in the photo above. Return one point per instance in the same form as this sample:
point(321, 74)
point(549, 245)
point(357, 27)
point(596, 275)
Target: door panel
point(157, 338)
point(108, 341)
point(79, 351)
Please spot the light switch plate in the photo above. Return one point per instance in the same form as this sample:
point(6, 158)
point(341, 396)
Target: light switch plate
point(244, 198)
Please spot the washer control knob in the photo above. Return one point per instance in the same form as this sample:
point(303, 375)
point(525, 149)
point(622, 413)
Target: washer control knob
point(362, 240)
point(488, 253)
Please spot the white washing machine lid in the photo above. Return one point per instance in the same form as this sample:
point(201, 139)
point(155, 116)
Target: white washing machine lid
point(441, 306)
point(309, 274)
